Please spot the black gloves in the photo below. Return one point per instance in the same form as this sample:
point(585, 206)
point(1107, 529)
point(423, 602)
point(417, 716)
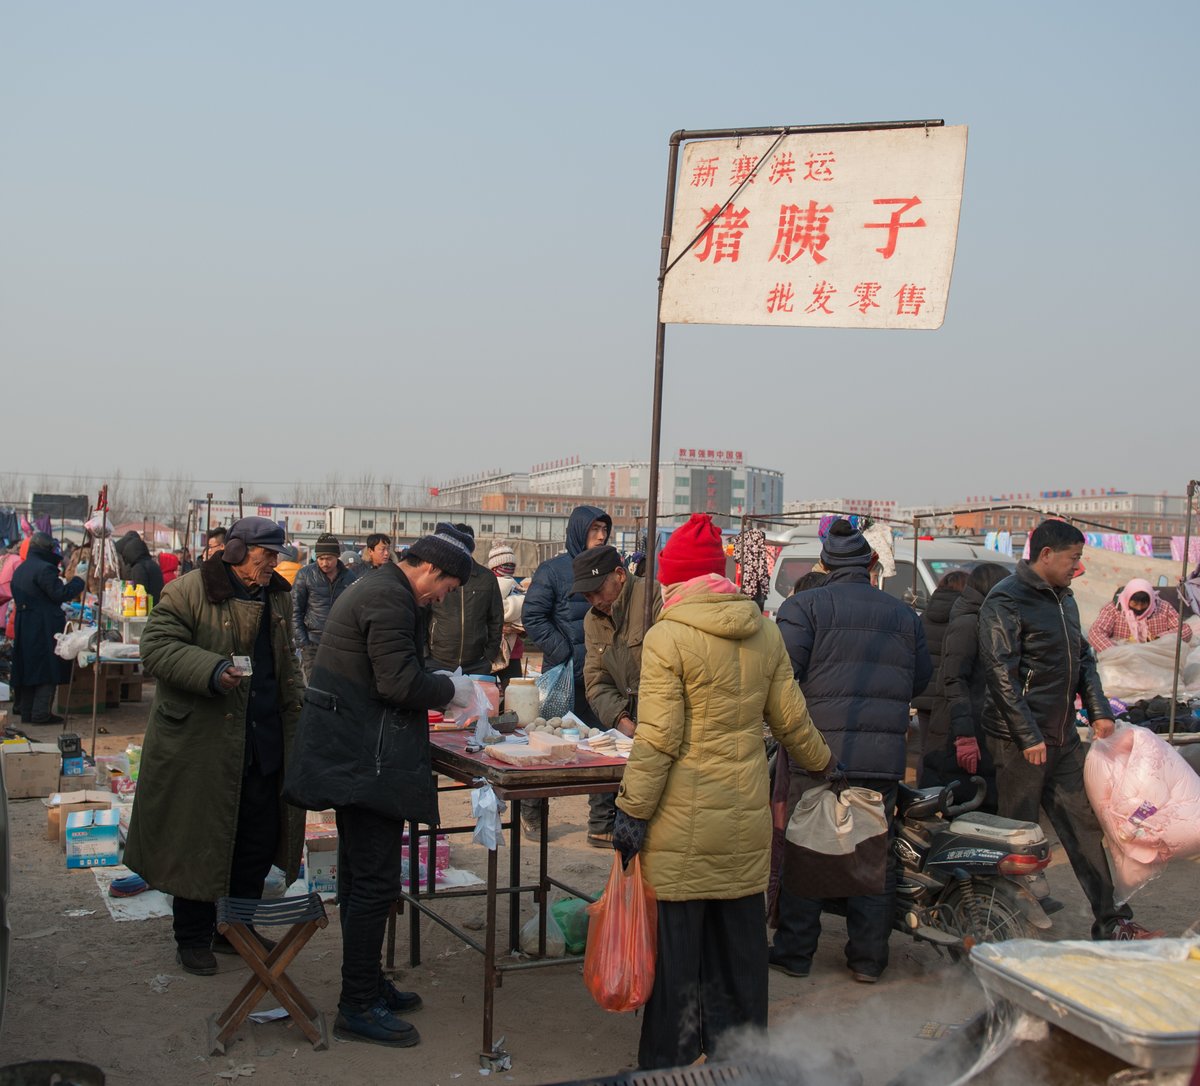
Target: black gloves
point(628, 836)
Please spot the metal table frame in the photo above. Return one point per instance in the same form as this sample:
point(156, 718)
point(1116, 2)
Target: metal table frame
point(512, 786)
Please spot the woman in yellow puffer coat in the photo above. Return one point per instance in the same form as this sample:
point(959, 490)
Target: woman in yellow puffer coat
point(695, 796)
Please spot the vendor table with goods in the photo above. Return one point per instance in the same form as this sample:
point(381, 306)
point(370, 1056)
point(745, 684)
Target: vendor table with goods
point(584, 774)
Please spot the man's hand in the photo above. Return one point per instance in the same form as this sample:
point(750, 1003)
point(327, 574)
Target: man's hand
point(626, 725)
point(1103, 727)
point(228, 680)
point(464, 691)
point(966, 753)
point(628, 836)
point(1036, 755)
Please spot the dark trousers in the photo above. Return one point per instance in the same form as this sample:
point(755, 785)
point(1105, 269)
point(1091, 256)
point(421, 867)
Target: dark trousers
point(254, 848)
point(710, 977)
point(602, 812)
point(308, 657)
point(1057, 788)
point(368, 882)
point(33, 703)
point(868, 917)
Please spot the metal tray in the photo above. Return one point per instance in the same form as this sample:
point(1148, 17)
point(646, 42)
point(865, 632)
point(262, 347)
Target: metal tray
point(1139, 1048)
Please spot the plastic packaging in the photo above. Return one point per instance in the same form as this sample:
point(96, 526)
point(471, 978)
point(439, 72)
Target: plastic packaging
point(556, 690)
point(521, 697)
point(622, 942)
point(556, 943)
point(1147, 799)
point(134, 753)
point(487, 809)
point(572, 917)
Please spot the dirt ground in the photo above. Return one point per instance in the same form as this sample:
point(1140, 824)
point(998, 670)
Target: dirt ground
point(80, 986)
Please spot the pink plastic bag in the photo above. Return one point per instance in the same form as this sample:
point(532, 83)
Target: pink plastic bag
point(1147, 799)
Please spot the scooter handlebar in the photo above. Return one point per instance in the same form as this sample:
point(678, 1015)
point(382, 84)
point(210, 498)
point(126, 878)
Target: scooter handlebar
point(950, 809)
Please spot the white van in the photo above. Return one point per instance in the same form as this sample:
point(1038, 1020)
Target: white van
point(935, 558)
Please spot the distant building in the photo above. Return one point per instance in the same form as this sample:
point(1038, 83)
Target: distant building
point(883, 508)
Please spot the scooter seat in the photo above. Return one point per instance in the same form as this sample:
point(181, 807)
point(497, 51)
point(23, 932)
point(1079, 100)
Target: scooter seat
point(917, 802)
point(1010, 831)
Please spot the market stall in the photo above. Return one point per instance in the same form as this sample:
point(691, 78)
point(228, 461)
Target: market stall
point(583, 775)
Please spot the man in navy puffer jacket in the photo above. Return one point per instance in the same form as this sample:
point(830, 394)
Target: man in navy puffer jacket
point(553, 619)
point(860, 658)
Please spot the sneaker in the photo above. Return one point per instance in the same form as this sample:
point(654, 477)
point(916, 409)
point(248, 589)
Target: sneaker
point(864, 978)
point(197, 960)
point(396, 1001)
point(600, 840)
point(374, 1024)
point(221, 945)
point(1128, 930)
point(531, 829)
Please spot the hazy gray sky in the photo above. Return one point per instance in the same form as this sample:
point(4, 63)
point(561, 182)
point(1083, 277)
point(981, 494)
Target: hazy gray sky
point(268, 241)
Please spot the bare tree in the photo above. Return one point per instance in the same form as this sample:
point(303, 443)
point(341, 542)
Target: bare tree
point(178, 491)
point(118, 509)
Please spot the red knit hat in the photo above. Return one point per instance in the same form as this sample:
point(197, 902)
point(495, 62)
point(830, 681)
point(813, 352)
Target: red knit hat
point(693, 550)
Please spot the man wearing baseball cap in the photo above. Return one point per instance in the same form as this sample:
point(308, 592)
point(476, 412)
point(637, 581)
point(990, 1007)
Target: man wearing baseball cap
point(314, 591)
point(208, 820)
point(613, 630)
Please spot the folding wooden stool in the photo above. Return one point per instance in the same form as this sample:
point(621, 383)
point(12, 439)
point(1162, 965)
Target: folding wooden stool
point(235, 916)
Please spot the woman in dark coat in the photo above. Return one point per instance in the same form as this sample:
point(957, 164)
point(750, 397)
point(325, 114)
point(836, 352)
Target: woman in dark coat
point(961, 750)
point(137, 565)
point(933, 722)
point(38, 596)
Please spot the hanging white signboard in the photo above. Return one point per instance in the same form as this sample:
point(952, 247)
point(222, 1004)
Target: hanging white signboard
point(829, 230)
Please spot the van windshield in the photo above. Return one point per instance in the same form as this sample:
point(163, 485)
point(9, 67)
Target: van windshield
point(788, 571)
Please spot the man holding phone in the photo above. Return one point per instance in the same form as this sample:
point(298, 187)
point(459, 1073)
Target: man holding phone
point(208, 820)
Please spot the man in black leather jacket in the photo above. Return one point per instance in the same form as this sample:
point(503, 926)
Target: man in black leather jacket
point(1035, 661)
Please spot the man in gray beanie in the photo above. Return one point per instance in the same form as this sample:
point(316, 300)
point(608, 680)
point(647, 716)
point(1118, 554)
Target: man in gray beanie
point(314, 591)
point(362, 748)
point(860, 657)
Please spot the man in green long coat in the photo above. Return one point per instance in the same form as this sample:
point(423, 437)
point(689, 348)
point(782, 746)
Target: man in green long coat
point(208, 818)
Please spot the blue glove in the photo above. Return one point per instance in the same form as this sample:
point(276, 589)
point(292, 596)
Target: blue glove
point(628, 836)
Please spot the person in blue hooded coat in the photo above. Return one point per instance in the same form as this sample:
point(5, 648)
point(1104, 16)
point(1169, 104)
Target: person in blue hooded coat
point(553, 619)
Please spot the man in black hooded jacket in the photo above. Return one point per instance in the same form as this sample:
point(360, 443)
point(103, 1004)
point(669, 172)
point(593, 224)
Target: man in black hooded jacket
point(137, 565)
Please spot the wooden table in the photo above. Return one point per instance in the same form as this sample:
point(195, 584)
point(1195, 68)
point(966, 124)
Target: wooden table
point(586, 775)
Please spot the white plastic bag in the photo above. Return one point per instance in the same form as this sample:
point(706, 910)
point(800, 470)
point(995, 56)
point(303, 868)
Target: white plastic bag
point(70, 645)
point(556, 942)
point(1139, 671)
point(1147, 799)
point(487, 809)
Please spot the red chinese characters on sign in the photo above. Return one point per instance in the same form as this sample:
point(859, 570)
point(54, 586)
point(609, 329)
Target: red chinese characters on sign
point(820, 166)
point(893, 226)
point(722, 237)
point(704, 174)
point(823, 293)
point(743, 169)
point(780, 298)
point(801, 230)
point(783, 168)
point(864, 294)
point(910, 298)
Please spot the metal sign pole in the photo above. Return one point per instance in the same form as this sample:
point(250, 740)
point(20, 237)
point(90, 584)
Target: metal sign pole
point(1187, 547)
point(99, 616)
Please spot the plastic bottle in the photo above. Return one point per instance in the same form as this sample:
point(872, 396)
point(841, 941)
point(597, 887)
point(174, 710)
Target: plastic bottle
point(491, 691)
point(128, 601)
point(521, 697)
point(134, 753)
point(141, 601)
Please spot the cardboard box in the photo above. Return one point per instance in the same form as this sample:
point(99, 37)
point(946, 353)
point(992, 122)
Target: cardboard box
point(93, 839)
point(62, 804)
point(85, 783)
point(72, 767)
point(30, 769)
point(320, 863)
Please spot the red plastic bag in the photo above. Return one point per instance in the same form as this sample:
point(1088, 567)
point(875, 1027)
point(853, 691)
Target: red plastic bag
point(618, 966)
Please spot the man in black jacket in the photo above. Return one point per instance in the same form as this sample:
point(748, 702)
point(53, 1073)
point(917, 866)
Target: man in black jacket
point(1035, 661)
point(137, 565)
point(465, 630)
point(314, 592)
point(362, 748)
point(860, 658)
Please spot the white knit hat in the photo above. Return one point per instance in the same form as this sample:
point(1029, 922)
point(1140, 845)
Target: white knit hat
point(501, 555)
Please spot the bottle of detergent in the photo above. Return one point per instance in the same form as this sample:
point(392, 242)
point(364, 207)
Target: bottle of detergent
point(142, 601)
point(128, 601)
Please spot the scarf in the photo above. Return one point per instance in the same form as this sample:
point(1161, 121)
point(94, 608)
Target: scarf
point(707, 584)
point(1139, 625)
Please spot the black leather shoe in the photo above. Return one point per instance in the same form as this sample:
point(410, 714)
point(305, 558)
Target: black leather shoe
point(791, 969)
point(221, 945)
point(198, 960)
point(396, 1001)
point(376, 1025)
point(49, 718)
